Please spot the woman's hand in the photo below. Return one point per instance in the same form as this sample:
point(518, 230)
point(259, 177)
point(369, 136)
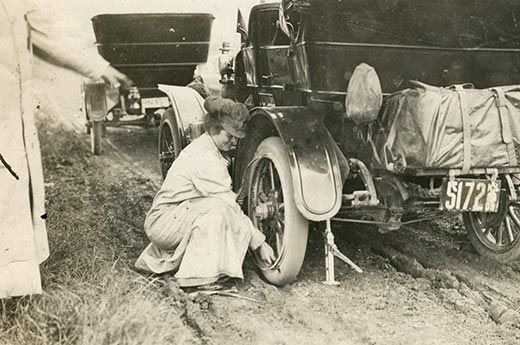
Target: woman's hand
point(266, 253)
point(117, 79)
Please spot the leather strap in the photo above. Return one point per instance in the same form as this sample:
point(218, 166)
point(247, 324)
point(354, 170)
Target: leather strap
point(466, 130)
point(507, 137)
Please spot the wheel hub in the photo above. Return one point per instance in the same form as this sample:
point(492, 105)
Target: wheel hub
point(264, 210)
point(167, 156)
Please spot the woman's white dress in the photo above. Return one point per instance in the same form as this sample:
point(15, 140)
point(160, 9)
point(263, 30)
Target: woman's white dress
point(195, 226)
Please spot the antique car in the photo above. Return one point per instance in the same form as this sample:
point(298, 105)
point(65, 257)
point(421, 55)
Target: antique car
point(304, 160)
point(151, 49)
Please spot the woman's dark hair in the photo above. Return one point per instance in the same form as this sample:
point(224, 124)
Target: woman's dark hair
point(212, 123)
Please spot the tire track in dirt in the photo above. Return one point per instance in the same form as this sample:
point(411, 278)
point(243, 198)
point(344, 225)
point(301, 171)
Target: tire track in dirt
point(131, 165)
point(119, 153)
point(462, 292)
point(277, 320)
point(445, 269)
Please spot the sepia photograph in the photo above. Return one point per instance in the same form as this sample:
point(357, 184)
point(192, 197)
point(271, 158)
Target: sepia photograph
point(265, 172)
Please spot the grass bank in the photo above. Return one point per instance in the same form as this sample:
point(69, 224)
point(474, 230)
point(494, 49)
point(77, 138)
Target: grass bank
point(91, 293)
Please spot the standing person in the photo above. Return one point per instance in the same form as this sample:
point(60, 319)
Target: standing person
point(23, 237)
point(196, 227)
point(225, 62)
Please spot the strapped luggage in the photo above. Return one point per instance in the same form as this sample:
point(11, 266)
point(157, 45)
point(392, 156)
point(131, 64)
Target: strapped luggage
point(427, 127)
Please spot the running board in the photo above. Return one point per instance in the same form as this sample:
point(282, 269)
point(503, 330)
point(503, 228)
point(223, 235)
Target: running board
point(331, 251)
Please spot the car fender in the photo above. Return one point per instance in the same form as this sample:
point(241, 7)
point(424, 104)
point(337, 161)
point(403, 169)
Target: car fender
point(186, 109)
point(311, 153)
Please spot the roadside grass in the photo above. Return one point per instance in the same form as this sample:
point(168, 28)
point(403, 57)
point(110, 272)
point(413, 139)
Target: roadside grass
point(91, 293)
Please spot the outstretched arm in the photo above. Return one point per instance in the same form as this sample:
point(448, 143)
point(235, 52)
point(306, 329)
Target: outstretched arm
point(67, 49)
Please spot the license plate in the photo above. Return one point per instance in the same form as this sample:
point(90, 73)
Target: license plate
point(155, 102)
point(475, 195)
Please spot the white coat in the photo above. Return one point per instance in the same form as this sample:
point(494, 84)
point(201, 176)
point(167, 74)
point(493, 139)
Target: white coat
point(23, 237)
point(196, 227)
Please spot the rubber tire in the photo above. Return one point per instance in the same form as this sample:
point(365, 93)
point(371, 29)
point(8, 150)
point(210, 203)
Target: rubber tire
point(168, 121)
point(95, 137)
point(498, 256)
point(296, 226)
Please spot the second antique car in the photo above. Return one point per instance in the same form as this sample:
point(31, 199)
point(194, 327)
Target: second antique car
point(304, 160)
point(151, 49)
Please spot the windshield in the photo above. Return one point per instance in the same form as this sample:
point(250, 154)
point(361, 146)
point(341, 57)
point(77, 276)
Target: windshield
point(439, 23)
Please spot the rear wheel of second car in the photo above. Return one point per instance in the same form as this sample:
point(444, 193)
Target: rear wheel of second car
point(169, 141)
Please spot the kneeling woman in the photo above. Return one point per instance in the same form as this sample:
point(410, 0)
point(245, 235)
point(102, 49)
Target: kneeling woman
point(196, 227)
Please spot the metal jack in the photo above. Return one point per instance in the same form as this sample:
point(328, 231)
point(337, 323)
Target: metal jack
point(331, 250)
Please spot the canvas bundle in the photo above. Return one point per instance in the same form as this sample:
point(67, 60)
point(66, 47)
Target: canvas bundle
point(426, 127)
point(364, 95)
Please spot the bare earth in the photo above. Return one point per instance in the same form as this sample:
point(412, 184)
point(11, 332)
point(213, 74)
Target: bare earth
point(421, 285)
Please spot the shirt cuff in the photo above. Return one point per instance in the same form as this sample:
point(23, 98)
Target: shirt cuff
point(257, 239)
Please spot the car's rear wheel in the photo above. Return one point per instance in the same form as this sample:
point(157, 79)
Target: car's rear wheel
point(169, 141)
point(496, 235)
point(273, 211)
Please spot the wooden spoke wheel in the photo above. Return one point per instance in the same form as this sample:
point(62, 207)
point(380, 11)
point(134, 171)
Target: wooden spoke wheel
point(273, 211)
point(496, 235)
point(169, 142)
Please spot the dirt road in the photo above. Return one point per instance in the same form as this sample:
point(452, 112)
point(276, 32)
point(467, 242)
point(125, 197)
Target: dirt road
point(421, 285)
